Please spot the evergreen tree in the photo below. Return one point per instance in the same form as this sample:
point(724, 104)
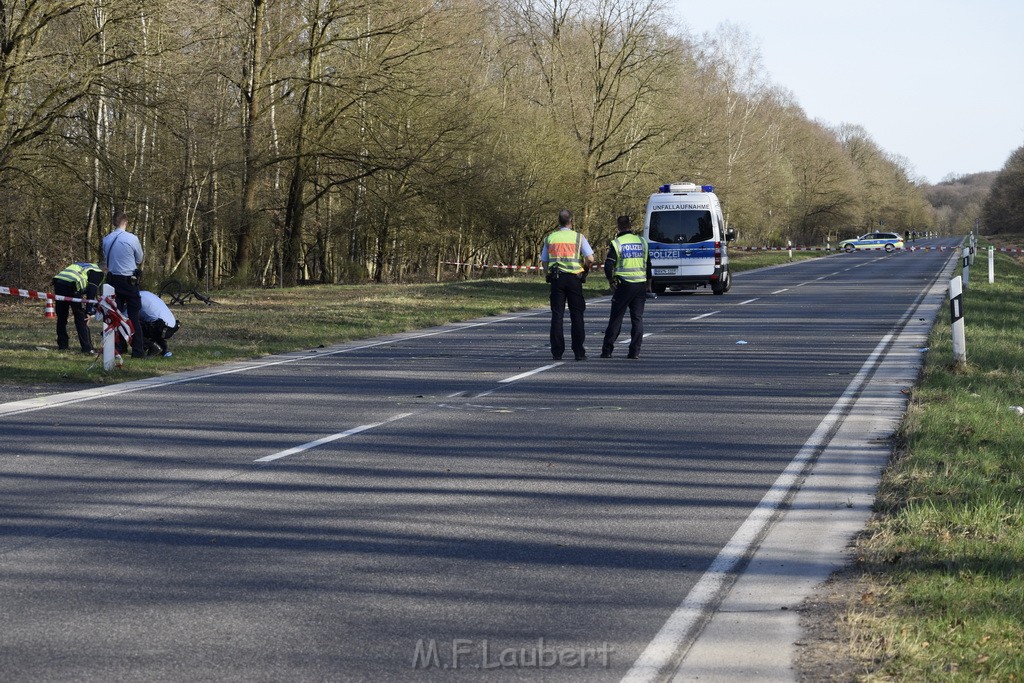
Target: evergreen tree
point(1004, 208)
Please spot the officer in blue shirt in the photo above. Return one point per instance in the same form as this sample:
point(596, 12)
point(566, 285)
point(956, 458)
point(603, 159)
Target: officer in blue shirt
point(160, 324)
point(122, 255)
point(566, 258)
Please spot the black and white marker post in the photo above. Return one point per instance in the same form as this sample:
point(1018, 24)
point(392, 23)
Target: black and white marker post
point(967, 265)
point(991, 265)
point(956, 319)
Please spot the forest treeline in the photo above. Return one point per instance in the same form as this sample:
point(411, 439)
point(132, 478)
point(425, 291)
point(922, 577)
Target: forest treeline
point(1003, 210)
point(284, 141)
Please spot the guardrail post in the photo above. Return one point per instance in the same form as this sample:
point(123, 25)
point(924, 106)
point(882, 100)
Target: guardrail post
point(991, 265)
point(956, 320)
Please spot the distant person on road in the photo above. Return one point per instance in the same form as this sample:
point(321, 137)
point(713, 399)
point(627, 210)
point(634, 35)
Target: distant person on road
point(628, 269)
point(158, 324)
point(78, 281)
point(567, 257)
point(122, 256)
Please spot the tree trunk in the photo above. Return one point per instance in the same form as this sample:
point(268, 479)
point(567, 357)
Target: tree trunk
point(246, 225)
point(294, 212)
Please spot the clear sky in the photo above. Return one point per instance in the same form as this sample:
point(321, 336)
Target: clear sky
point(939, 82)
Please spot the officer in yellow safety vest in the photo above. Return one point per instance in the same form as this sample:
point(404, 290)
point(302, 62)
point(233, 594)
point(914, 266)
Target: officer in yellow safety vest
point(79, 280)
point(628, 269)
point(567, 257)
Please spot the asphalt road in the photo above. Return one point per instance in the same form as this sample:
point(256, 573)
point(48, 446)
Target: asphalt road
point(415, 508)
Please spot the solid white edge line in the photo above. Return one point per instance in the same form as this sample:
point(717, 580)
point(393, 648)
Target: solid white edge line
point(705, 315)
point(32, 405)
point(523, 375)
point(658, 655)
point(328, 439)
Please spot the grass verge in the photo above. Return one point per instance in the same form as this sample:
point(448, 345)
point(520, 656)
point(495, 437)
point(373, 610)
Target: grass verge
point(740, 261)
point(254, 322)
point(943, 556)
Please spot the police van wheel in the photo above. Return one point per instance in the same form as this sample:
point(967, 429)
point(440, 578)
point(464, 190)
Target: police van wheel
point(725, 286)
point(658, 289)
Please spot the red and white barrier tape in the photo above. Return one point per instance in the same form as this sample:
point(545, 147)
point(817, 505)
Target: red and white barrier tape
point(32, 294)
point(112, 317)
point(498, 266)
point(795, 248)
point(502, 266)
point(114, 320)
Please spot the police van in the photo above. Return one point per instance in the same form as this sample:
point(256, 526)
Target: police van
point(687, 236)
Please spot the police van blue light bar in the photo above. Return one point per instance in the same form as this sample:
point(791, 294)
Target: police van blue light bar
point(685, 187)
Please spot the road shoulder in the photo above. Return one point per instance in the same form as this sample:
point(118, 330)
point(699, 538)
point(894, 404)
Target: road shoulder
point(754, 633)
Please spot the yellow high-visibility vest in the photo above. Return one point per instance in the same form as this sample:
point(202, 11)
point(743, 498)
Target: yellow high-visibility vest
point(565, 251)
point(77, 274)
point(631, 265)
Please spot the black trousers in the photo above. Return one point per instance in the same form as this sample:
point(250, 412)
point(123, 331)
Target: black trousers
point(157, 333)
point(567, 288)
point(631, 295)
point(126, 289)
point(65, 288)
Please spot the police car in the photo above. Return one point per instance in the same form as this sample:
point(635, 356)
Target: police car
point(687, 236)
point(889, 241)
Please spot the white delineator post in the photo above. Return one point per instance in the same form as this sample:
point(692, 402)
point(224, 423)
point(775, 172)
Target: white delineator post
point(109, 334)
point(967, 266)
point(789, 245)
point(956, 319)
point(991, 265)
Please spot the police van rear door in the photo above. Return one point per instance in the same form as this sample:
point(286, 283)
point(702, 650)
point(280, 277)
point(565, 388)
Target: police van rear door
point(682, 239)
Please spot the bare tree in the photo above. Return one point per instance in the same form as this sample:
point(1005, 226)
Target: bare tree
point(603, 65)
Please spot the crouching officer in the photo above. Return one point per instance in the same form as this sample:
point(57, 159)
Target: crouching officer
point(567, 257)
point(628, 269)
point(79, 280)
point(158, 324)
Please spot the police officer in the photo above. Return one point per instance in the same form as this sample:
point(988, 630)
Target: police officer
point(628, 269)
point(122, 254)
point(158, 323)
point(79, 280)
point(567, 257)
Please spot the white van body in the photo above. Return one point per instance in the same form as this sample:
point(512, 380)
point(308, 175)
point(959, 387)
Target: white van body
point(688, 237)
